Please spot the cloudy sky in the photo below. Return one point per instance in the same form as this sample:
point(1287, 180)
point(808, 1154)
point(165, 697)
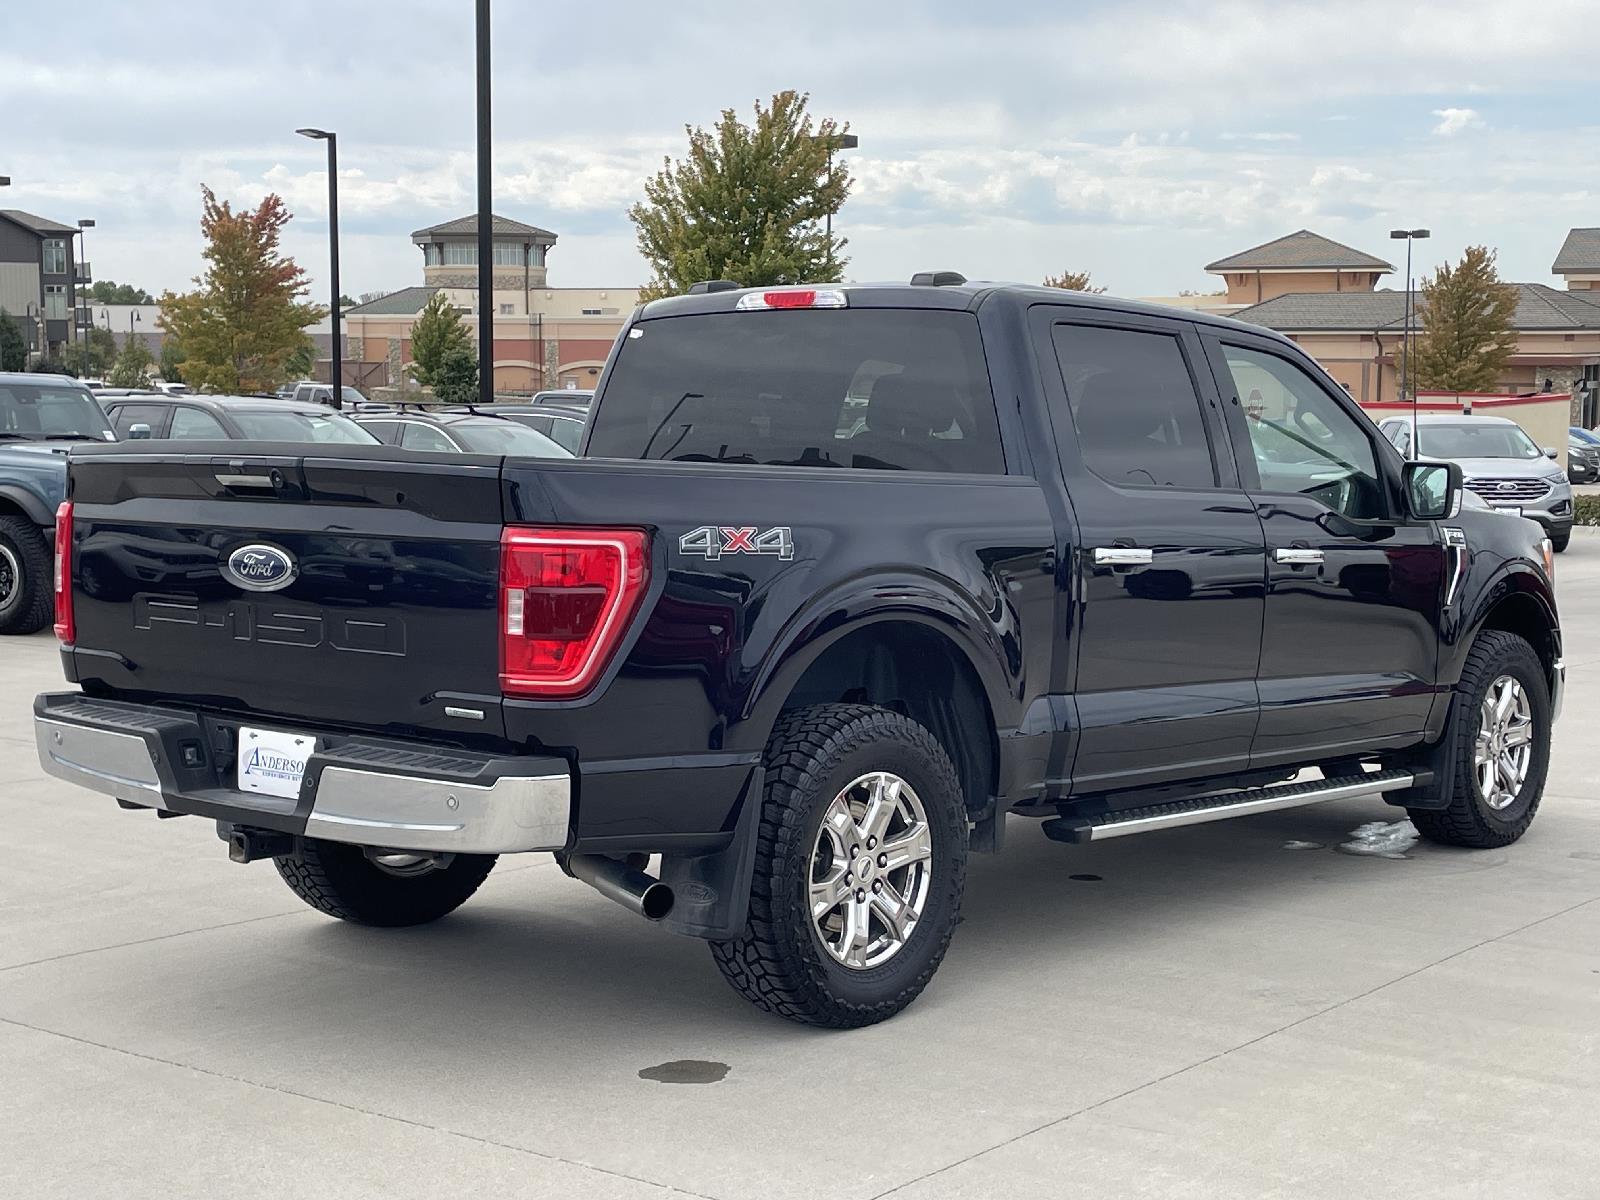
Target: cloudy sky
point(1137, 141)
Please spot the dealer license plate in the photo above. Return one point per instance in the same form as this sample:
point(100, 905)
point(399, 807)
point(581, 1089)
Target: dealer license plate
point(1514, 509)
point(272, 761)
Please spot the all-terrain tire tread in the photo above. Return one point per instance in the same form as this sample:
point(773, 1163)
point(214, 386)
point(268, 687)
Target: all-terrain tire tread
point(36, 607)
point(765, 964)
point(1462, 823)
point(336, 879)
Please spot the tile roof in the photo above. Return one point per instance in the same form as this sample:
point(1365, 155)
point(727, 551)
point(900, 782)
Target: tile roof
point(404, 303)
point(1580, 252)
point(37, 224)
point(1301, 249)
point(469, 224)
point(1539, 307)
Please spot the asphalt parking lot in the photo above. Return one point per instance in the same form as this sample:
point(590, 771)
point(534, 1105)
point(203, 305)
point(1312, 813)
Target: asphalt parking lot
point(1205, 1012)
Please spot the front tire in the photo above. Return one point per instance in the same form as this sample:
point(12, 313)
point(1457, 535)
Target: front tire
point(392, 891)
point(860, 863)
point(1502, 747)
point(26, 600)
point(1560, 541)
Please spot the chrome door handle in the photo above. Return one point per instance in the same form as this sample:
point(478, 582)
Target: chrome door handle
point(1122, 556)
point(1297, 556)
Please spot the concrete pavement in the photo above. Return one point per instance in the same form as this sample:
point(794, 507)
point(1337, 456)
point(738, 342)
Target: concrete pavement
point(1207, 1013)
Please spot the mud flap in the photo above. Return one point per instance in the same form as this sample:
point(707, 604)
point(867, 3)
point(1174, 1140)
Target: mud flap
point(1439, 791)
point(711, 892)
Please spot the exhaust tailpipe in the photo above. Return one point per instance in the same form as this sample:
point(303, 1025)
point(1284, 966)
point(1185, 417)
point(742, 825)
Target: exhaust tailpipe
point(627, 885)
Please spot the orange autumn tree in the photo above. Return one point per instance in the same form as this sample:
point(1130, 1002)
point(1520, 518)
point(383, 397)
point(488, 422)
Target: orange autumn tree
point(246, 316)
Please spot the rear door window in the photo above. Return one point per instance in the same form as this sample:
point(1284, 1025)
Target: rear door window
point(129, 415)
point(877, 389)
point(417, 436)
point(1135, 414)
point(193, 424)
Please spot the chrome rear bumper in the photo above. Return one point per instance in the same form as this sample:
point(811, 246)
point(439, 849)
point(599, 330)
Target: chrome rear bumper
point(400, 796)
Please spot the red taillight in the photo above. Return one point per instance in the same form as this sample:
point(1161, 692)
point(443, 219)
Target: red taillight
point(794, 298)
point(66, 631)
point(566, 598)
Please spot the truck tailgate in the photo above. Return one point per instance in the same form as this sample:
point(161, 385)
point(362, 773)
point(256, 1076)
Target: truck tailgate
point(389, 616)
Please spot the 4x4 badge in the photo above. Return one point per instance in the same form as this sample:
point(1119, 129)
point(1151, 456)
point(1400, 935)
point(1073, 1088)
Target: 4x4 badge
point(713, 541)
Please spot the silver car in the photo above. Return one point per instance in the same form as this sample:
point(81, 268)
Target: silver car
point(1502, 465)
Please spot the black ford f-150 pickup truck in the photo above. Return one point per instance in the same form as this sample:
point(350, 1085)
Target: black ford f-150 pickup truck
point(848, 575)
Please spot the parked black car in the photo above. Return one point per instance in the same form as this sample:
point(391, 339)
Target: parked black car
point(231, 418)
point(464, 431)
point(851, 574)
point(1583, 455)
point(561, 423)
point(41, 418)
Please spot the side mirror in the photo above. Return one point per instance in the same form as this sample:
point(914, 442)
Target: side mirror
point(1433, 490)
point(1550, 452)
point(137, 431)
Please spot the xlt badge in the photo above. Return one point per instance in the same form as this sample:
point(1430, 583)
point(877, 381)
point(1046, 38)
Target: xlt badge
point(259, 567)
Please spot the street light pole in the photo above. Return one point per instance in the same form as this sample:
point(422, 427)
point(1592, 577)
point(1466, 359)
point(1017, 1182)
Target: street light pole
point(72, 289)
point(844, 141)
point(336, 392)
point(485, 217)
point(1408, 374)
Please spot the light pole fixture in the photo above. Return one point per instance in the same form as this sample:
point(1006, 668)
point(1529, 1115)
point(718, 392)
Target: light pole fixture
point(5, 181)
point(1408, 374)
point(81, 268)
point(336, 392)
point(842, 141)
point(485, 213)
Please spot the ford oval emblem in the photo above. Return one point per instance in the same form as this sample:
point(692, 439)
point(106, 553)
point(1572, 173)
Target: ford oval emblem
point(261, 568)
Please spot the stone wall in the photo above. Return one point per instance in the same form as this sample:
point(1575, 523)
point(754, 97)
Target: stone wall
point(552, 363)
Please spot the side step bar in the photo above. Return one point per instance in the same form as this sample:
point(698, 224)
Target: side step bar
point(1200, 809)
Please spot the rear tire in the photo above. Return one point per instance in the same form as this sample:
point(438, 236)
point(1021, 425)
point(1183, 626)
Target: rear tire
point(341, 881)
point(27, 601)
point(883, 928)
point(1477, 819)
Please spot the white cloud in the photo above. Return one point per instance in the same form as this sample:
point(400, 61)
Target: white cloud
point(1265, 136)
point(1453, 120)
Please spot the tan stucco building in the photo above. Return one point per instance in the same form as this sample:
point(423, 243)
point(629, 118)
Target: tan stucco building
point(544, 336)
point(1323, 295)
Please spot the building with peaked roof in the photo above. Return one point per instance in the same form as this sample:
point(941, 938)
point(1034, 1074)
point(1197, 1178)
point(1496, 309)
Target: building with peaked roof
point(39, 280)
point(544, 337)
point(1356, 337)
point(1578, 260)
point(1301, 261)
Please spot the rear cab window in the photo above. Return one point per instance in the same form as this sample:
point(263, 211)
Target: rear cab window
point(865, 388)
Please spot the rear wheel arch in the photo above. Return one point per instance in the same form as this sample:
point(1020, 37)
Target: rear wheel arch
point(908, 666)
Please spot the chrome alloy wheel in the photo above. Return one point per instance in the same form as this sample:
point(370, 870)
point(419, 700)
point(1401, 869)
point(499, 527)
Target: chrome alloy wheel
point(1503, 750)
point(395, 862)
point(10, 576)
point(871, 870)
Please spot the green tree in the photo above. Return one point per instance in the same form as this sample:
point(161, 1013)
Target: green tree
point(1072, 281)
point(435, 334)
point(13, 346)
point(92, 356)
point(132, 363)
point(106, 292)
point(301, 360)
point(747, 204)
point(455, 379)
point(246, 316)
point(172, 356)
point(1466, 338)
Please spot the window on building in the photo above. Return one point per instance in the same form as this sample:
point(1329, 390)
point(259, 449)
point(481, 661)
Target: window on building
point(430, 254)
point(460, 254)
point(508, 254)
point(55, 302)
point(505, 310)
point(55, 257)
point(591, 312)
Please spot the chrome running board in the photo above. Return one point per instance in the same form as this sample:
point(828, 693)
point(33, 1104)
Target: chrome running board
point(1201, 809)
